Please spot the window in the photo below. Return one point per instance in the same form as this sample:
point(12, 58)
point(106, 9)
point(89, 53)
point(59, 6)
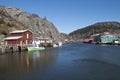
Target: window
point(27, 35)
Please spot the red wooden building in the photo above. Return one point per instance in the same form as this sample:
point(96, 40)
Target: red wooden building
point(19, 37)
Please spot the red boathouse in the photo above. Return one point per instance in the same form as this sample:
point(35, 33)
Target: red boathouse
point(19, 37)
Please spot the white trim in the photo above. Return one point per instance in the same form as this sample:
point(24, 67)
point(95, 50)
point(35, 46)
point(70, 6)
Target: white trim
point(13, 38)
point(19, 31)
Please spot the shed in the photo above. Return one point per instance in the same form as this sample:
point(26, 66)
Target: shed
point(19, 37)
point(13, 40)
point(108, 38)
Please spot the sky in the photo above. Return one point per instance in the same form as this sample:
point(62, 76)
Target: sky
point(70, 15)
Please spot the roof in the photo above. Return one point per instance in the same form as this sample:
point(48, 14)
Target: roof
point(43, 38)
point(19, 31)
point(104, 35)
point(13, 38)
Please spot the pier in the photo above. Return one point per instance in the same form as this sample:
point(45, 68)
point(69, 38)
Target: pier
point(12, 48)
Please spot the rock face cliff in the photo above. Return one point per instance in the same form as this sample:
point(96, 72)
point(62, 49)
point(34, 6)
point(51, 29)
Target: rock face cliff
point(101, 27)
point(12, 18)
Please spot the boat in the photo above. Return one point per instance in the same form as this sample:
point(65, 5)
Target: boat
point(87, 40)
point(57, 44)
point(32, 47)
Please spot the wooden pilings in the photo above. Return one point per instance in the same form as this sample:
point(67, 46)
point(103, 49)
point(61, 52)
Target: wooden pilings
point(12, 48)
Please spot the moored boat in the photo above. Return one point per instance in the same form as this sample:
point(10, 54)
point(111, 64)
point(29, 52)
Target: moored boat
point(32, 47)
point(87, 40)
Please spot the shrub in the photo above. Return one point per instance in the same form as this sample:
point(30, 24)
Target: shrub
point(4, 32)
point(2, 21)
point(10, 25)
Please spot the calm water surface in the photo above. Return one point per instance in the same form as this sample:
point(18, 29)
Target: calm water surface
point(74, 61)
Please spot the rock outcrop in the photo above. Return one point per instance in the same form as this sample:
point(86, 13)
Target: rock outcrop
point(12, 18)
point(66, 38)
point(101, 27)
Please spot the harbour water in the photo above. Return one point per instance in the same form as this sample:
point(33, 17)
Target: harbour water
point(74, 61)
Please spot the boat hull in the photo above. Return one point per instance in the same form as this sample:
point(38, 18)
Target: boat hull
point(35, 48)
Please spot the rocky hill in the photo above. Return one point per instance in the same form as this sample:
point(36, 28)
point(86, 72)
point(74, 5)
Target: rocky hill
point(101, 27)
point(12, 18)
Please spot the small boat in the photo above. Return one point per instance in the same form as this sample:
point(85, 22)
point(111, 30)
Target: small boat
point(57, 44)
point(32, 47)
point(87, 40)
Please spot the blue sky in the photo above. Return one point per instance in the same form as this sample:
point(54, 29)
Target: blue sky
point(69, 15)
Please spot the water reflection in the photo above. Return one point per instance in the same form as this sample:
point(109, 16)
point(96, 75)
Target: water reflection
point(75, 61)
point(20, 62)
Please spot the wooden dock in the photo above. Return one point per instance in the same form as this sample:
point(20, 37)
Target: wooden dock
point(12, 48)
